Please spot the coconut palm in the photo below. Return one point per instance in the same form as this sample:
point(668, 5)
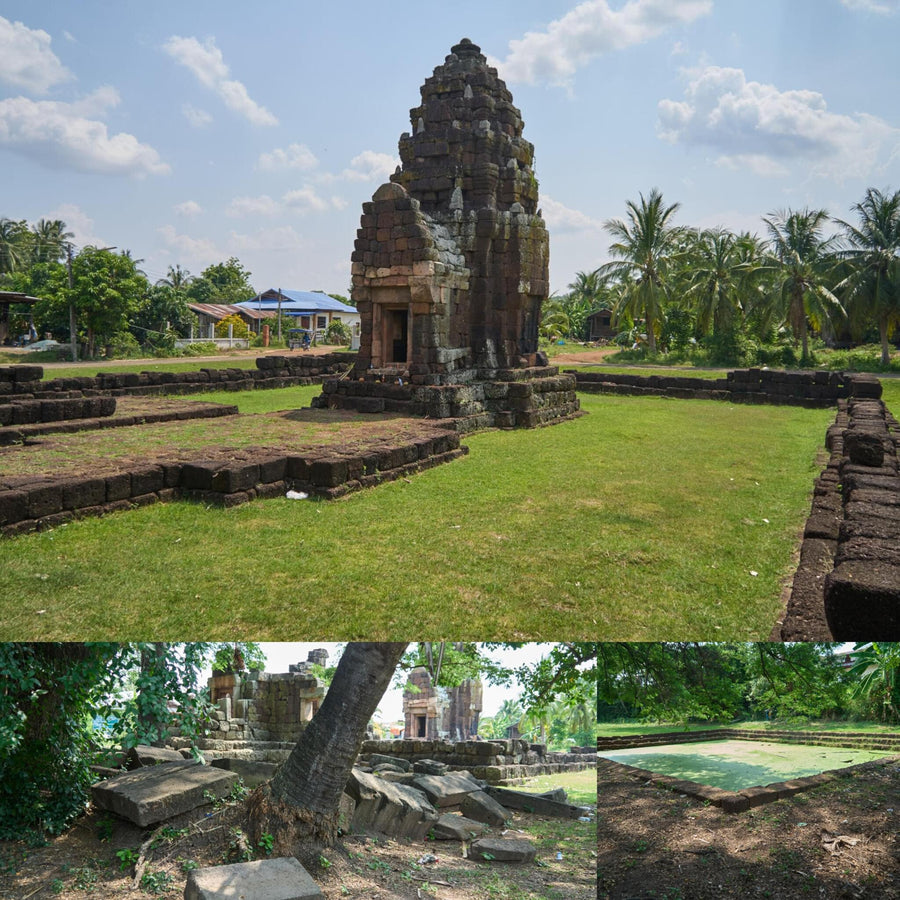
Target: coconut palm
point(802, 258)
point(643, 253)
point(872, 289)
point(717, 276)
point(49, 240)
point(14, 245)
point(177, 278)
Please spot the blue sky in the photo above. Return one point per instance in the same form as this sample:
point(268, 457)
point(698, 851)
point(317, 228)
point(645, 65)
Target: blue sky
point(189, 132)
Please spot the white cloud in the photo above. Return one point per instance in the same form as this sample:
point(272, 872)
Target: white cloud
point(297, 156)
point(760, 127)
point(562, 219)
point(79, 223)
point(208, 65)
point(278, 240)
point(263, 205)
point(63, 135)
point(188, 209)
point(303, 199)
point(70, 37)
point(882, 7)
point(26, 60)
point(589, 30)
point(196, 250)
point(197, 118)
point(371, 166)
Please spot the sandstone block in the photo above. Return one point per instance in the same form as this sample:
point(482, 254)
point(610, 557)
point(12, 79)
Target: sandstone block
point(263, 879)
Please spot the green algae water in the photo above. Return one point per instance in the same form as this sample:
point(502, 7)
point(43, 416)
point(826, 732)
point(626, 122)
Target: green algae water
point(734, 765)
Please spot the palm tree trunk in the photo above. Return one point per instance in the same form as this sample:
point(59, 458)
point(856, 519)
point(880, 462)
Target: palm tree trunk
point(885, 346)
point(804, 336)
point(299, 806)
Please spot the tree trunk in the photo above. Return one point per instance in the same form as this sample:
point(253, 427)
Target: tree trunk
point(885, 346)
point(299, 806)
point(804, 338)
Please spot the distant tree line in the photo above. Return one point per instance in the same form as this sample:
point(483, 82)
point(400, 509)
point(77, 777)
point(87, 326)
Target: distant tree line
point(117, 310)
point(690, 681)
point(712, 295)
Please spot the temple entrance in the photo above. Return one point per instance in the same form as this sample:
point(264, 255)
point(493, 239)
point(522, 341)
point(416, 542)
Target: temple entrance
point(396, 335)
point(421, 727)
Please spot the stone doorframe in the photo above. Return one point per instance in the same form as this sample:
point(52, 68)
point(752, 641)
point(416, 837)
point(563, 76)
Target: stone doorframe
point(383, 324)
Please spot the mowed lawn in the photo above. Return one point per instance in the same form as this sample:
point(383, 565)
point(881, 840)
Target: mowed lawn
point(647, 519)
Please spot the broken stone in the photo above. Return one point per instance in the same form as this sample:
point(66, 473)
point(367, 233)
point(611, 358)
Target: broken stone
point(454, 827)
point(251, 772)
point(535, 803)
point(263, 879)
point(483, 808)
point(447, 790)
point(153, 794)
point(143, 755)
point(393, 809)
point(503, 849)
point(430, 767)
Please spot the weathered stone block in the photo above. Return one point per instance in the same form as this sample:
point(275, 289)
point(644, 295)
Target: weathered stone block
point(503, 849)
point(262, 879)
point(483, 808)
point(156, 793)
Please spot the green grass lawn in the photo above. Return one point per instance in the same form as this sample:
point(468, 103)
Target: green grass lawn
point(649, 518)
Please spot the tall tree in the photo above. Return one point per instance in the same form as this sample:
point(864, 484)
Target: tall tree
point(803, 259)
point(225, 282)
point(299, 806)
point(876, 669)
point(49, 240)
point(176, 278)
point(15, 245)
point(643, 249)
point(872, 288)
point(716, 274)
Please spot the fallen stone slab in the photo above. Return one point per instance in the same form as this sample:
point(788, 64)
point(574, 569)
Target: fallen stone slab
point(503, 849)
point(143, 755)
point(447, 790)
point(389, 808)
point(430, 767)
point(454, 827)
point(483, 808)
point(533, 803)
point(153, 794)
point(263, 879)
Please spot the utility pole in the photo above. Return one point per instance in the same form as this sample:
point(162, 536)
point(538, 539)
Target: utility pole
point(72, 330)
point(279, 315)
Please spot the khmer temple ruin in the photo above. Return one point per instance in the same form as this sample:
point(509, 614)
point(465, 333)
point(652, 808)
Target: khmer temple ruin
point(430, 713)
point(451, 264)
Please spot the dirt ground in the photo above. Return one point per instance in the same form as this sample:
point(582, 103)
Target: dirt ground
point(87, 862)
point(841, 840)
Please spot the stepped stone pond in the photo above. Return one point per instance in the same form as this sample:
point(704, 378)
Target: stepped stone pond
point(737, 764)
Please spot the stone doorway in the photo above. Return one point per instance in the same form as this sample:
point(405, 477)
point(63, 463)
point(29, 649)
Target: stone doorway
point(421, 726)
point(396, 335)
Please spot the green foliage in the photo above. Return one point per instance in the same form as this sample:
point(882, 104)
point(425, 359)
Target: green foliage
point(337, 333)
point(49, 691)
point(239, 328)
point(677, 329)
point(122, 346)
point(266, 843)
point(127, 858)
point(156, 882)
point(225, 282)
point(238, 656)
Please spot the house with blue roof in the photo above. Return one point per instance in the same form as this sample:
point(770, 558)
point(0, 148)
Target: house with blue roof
point(312, 310)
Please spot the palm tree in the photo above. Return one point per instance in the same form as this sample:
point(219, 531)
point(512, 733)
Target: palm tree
point(14, 245)
point(717, 275)
point(877, 668)
point(802, 258)
point(872, 289)
point(643, 252)
point(177, 278)
point(49, 240)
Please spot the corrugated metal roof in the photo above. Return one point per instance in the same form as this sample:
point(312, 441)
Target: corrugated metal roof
point(221, 310)
point(15, 297)
point(296, 301)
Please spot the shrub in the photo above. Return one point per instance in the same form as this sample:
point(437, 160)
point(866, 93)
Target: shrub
point(337, 333)
point(239, 327)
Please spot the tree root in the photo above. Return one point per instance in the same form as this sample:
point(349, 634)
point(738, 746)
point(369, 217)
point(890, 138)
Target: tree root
point(295, 831)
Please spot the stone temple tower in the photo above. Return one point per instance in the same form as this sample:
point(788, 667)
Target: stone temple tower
point(450, 267)
point(451, 263)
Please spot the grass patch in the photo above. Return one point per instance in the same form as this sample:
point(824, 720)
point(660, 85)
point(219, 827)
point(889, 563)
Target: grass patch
point(648, 518)
point(581, 787)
